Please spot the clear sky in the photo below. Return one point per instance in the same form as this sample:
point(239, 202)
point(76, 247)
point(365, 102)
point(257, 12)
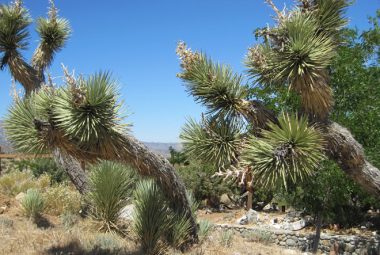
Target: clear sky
point(136, 41)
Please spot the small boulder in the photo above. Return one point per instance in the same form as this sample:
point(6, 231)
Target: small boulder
point(250, 217)
point(243, 220)
point(127, 212)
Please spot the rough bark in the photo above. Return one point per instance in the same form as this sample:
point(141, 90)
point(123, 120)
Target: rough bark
point(348, 153)
point(73, 169)
point(317, 237)
point(24, 73)
point(150, 164)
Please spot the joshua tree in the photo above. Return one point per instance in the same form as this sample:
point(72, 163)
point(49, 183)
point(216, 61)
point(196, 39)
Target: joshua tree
point(278, 129)
point(78, 121)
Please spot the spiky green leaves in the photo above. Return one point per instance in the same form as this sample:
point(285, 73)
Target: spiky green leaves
point(110, 185)
point(20, 126)
point(299, 61)
point(212, 141)
point(287, 153)
point(215, 86)
point(150, 219)
point(329, 14)
point(82, 120)
point(14, 20)
point(89, 116)
point(54, 33)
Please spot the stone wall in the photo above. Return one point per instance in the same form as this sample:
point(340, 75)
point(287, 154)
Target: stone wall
point(355, 245)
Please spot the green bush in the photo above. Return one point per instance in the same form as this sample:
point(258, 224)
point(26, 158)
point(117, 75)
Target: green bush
point(198, 178)
point(156, 225)
point(42, 166)
point(332, 195)
point(226, 237)
point(204, 227)
point(15, 182)
point(62, 198)
point(69, 219)
point(110, 185)
point(150, 219)
point(32, 203)
point(5, 222)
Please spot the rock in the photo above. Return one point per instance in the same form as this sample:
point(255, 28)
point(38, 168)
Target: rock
point(267, 207)
point(243, 220)
point(298, 225)
point(20, 196)
point(349, 248)
point(290, 242)
point(127, 212)
point(224, 199)
point(252, 216)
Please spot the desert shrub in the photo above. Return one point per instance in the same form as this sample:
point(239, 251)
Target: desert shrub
point(150, 219)
point(6, 222)
point(60, 199)
point(107, 241)
point(32, 203)
point(180, 226)
point(110, 185)
point(42, 166)
point(69, 219)
point(15, 182)
point(226, 237)
point(179, 232)
point(199, 179)
point(204, 227)
point(258, 236)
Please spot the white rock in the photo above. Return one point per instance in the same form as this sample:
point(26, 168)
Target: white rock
point(243, 220)
point(127, 212)
point(298, 225)
point(252, 216)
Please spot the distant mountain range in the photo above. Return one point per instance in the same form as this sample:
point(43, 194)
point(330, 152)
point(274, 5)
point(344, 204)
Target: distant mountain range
point(160, 148)
point(163, 148)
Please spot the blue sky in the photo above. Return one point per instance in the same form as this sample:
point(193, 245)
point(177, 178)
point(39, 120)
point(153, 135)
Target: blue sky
point(136, 41)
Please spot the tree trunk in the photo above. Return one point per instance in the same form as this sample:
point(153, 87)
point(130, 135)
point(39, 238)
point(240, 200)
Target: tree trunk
point(318, 226)
point(250, 191)
point(150, 164)
point(73, 169)
point(348, 153)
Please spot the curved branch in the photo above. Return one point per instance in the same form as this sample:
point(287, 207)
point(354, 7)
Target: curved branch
point(150, 164)
point(349, 155)
point(24, 73)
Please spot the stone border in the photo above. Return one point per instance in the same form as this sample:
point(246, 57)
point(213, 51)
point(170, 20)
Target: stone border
point(348, 244)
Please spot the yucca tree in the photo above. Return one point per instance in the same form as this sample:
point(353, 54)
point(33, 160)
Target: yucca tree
point(79, 121)
point(290, 65)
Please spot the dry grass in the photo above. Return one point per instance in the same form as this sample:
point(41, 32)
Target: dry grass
point(51, 236)
point(61, 199)
point(237, 245)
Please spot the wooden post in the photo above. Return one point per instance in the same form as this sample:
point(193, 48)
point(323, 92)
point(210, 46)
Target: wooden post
point(249, 190)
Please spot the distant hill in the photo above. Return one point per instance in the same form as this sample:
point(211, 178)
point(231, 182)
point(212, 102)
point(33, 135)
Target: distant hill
point(163, 148)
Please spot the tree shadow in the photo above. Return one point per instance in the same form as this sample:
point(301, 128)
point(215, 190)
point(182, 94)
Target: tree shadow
point(43, 222)
point(75, 248)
